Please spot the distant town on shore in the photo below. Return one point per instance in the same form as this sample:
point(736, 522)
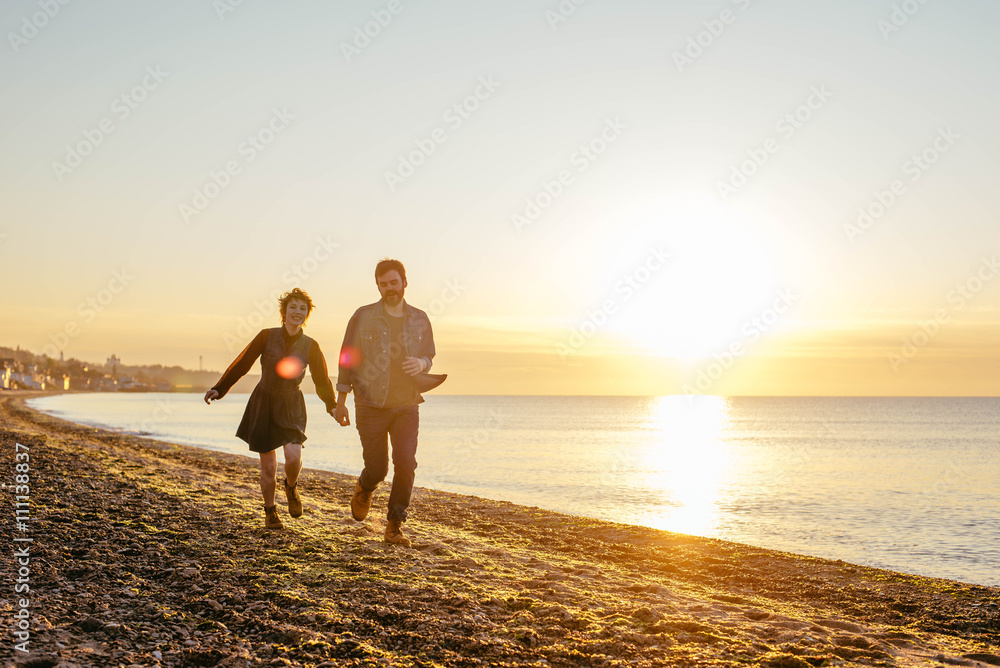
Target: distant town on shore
point(23, 370)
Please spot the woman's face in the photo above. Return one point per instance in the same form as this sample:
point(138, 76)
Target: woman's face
point(296, 312)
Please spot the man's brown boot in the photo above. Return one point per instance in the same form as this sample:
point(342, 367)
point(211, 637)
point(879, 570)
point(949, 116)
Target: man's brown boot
point(394, 533)
point(271, 519)
point(361, 503)
point(294, 502)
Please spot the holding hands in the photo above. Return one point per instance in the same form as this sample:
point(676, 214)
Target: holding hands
point(341, 415)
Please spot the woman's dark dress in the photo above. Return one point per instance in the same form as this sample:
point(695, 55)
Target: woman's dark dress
point(276, 412)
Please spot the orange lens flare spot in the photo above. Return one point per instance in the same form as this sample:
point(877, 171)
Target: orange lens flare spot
point(349, 357)
point(290, 367)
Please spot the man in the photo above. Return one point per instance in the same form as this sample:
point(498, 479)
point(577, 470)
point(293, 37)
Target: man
point(387, 351)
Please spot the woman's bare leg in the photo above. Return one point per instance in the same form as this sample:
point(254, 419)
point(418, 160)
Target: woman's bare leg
point(293, 462)
point(268, 471)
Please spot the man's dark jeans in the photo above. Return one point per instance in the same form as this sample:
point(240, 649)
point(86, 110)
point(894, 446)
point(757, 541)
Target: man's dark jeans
point(376, 426)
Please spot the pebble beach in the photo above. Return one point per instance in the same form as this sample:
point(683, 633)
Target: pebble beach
point(147, 553)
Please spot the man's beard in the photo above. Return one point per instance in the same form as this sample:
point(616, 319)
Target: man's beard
point(393, 298)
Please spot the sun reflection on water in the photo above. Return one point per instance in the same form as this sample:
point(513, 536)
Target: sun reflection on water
point(688, 460)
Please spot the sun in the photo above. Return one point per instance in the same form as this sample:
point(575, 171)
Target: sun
point(721, 271)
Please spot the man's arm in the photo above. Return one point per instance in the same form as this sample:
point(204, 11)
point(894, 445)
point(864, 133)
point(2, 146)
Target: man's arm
point(425, 356)
point(429, 350)
point(350, 359)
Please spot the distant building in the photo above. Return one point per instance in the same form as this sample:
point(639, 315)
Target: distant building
point(112, 364)
point(25, 381)
point(7, 368)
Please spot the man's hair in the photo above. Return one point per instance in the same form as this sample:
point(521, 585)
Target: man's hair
point(295, 293)
point(387, 265)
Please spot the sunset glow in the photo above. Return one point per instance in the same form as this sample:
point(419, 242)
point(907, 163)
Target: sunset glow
point(582, 208)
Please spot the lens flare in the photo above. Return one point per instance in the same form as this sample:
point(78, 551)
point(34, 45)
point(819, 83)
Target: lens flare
point(349, 357)
point(290, 367)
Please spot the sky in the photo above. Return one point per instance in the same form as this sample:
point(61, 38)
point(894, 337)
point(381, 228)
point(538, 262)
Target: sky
point(736, 197)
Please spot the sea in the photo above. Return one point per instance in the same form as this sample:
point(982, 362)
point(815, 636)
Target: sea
point(908, 484)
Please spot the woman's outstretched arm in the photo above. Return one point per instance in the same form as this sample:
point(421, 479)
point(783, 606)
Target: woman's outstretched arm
point(243, 362)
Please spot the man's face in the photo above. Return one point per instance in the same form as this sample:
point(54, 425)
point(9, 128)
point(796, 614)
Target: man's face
point(391, 287)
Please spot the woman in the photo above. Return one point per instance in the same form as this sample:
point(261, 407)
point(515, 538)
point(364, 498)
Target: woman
point(276, 412)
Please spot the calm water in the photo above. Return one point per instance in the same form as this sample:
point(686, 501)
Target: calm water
point(911, 484)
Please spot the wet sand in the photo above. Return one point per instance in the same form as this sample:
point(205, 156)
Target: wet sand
point(148, 553)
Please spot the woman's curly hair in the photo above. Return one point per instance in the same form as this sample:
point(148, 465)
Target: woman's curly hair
point(295, 293)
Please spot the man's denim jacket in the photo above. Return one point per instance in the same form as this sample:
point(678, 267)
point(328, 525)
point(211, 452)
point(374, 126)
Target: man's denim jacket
point(364, 357)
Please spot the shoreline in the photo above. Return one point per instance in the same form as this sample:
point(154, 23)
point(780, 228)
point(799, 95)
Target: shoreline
point(957, 556)
point(152, 547)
